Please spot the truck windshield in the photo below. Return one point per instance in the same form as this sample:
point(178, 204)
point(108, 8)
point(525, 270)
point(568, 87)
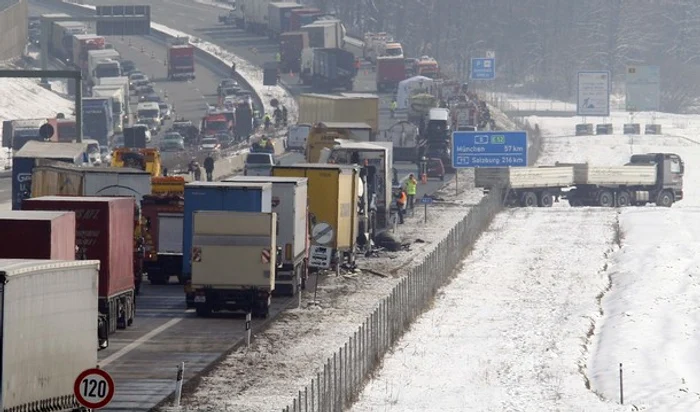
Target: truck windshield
point(216, 125)
point(181, 61)
point(108, 71)
point(393, 52)
point(148, 114)
point(258, 159)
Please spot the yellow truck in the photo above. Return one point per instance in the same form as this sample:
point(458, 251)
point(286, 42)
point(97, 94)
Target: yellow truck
point(323, 135)
point(147, 159)
point(234, 257)
point(348, 107)
point(333, 218)
point(168, 185)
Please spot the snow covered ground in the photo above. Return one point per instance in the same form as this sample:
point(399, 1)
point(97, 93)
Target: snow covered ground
point(548, 305)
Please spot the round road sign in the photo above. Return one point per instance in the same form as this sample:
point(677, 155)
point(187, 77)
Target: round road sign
point(94, 388)
point(322, 233)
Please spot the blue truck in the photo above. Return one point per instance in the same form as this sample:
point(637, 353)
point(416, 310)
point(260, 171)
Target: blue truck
point(218, 196)
point(26, 158)
point(98, 122)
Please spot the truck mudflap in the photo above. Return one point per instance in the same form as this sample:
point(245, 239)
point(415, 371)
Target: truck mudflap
point(247, 300)
point(119, 310)
point(291, 278)
point(166, 265)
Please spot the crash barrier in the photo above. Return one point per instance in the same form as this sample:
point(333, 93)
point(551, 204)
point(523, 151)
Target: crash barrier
point(345, 373)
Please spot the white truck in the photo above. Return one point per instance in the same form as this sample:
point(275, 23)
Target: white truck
point(289, 201)
point(103, 63)
point(48, 331)
point(647, 178)
point(325, 34)
point(116, 93)
point(122, 81)
point(296, 137)
point(234, 257)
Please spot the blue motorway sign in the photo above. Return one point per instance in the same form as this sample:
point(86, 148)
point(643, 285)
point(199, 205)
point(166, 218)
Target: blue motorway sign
point(426, 200)
point(489, 149)
point(483, 69)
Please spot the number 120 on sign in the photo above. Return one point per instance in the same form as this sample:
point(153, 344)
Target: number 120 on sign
point(94, 388)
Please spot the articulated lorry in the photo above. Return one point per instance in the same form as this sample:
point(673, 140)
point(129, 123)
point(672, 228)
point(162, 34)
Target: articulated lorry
point(163, 217)
point(48, 332)
point(82, 44)
point(279, 17)
point(116, 94)
point(103, 63)
point(181, 60)
point(647, 178)
point(97, 119)
point(326, 69)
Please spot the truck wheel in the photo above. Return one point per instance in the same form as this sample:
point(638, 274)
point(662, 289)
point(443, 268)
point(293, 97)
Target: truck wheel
point(665, 199)
point(546, 199)
point(203, 310)
point(606, 199)
point(528, 199)
point(623, 199)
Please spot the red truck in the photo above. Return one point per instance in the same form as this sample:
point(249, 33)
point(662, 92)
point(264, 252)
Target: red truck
point(82, 44)
point(181, 61)
point(104, 232)
point(390, 71)
point(64, 130)
point(162, 235)
point(53, 235)
point(215, 124)
point(291, 45)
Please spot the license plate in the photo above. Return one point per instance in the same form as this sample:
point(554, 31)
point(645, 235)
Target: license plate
point(200, 299)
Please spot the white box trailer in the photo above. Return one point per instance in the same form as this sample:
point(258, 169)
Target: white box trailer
point(289, 201)
point(49, 332)
point(234, 256)
point(614, 175)
point(116, 93)
point(121, 81)
point(255, 12)
point(326, 34)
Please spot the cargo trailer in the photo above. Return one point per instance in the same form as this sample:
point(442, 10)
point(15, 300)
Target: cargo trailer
point(324, 135)
point(291, 46)
point(289, 202)
point(48, 331)
point(348, 107)
point(25, 160)
point(326, 69)
point(647, 178)
point(325, 34)
point(218, 196)
point(104, 232)
point(52, 235)
point(15, 133)
point(82, 44)
point(163, 228)
point(237, 274)
point(390, 72)
point(61, 46)
point(302, 17)
point(333, 196)
point(181, 61)
point(279, 16)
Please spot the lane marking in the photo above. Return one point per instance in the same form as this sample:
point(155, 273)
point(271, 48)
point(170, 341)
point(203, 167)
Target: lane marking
point(138, 342)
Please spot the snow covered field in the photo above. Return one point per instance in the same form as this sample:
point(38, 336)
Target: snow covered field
point(513, 331)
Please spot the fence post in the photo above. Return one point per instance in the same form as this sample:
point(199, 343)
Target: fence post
point(179, 379)
point(318, 391)
point(622, 395)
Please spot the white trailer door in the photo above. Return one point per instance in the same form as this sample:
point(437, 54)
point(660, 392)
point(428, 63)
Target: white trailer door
point(170, 233)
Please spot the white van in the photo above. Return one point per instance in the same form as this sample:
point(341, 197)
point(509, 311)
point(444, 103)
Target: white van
point(149, 113)
point(93, 151)
point(296, 139)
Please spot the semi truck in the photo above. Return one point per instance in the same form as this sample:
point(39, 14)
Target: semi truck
point(279, 16)
point(346, 108)
point(324, 135)
point(123, 82)
point(404, 136)
point(255, 15)
point(325, 34)
point(647, 178)
point(181, 60)
point(62, 39)
point(49, 328)
point(292, 44)
point(390, 72)
point(326, 69)
point(333, 193)
point(303, 16)
point(163, 227)
point(15, 133)
point(104, 232)
point(237, 275)
point(289, 202)
point(97, 119)
point(103, 63)
point(53, 235)
point(82, 44)
point(116, 94)
point(217, 196)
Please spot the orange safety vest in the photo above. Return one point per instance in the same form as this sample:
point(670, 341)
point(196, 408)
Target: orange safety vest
point(402, 198)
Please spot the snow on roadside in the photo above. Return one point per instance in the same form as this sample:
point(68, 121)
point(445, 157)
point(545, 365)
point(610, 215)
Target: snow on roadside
point(507, 333)
point(215, 3)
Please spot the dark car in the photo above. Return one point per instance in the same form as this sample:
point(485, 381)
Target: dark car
point(127, 67)
point(150, 97)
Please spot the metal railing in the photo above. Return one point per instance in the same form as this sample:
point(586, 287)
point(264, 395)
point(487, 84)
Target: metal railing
point(345, 373)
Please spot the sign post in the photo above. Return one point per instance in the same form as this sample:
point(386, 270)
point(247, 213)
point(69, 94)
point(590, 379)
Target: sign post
point(593, 93)
point(94, 388)
point(179, 379)
point(248, 321)
point(483, 68)
point(642, 89)
point(426, 200)
point(489, 149)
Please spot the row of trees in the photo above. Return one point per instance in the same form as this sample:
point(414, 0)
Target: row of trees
point(541, 44)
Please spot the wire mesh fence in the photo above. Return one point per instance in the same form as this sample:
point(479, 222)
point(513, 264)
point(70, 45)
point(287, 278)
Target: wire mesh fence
point(343, 376)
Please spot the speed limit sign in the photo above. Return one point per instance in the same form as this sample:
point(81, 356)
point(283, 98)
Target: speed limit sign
point(94, 388)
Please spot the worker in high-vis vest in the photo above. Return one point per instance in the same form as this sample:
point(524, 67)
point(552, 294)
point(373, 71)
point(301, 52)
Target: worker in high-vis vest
point(411, 186)
point(278, 57)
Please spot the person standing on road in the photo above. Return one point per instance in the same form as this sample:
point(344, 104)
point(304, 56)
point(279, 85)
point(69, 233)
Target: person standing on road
point(411, 187)
point(197, 172)
point(209, 168)
point(393, 108)
point(401, 205)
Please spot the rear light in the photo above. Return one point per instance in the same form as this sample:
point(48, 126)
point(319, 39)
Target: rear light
point(288, 251)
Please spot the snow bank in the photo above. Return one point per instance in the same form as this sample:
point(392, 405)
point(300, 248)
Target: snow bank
point(508, 333)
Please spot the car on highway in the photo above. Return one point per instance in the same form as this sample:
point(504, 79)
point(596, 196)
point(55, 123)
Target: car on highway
point(210, 144)
point(172, 142)
point(93, 151)
point(128, 67)
point(147, 131)
point(148, 113)
point(166, 110)
point(228, 82)
point(135, 77)
point(150, 97)
point(259, 164)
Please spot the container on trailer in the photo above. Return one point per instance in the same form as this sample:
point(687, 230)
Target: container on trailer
point(48, 331)
point(15, 133)
point(25, 160)
point(289, 202)
point(327, 34)
point(121, 81)
point(333, 192)
point(104, 231)
point(52, 235)
point(82, 44)
point(363, 108)
point(291, 46)
point(58, 179)
point(279, 17)
point(62, 38)
point(217, 196)
point(296, 20)
point(181, 61)
point(163, 229)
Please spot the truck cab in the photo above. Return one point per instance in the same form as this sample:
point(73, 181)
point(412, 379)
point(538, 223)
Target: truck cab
point(670, 169)
point(393, 50)
point(149, 113)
